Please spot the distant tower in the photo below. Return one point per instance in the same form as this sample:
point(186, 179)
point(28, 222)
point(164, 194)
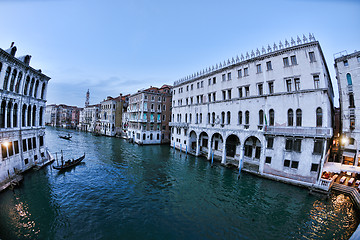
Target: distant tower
point(87, 98)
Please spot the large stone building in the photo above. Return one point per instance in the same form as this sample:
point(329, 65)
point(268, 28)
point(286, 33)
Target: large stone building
point(150, 112)
point(23, 99)
point(89, 117)
point(62, 116)
point(347, 69)
point(269, 112)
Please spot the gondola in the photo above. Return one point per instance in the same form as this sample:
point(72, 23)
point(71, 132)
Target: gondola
point(69, 163)
point(67, 137)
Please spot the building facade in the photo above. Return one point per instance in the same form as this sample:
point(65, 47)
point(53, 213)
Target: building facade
point(347, 69)
point(149, 115)
point(23, 101)
point(62, 116)
point(89, 116)
point(269, 112)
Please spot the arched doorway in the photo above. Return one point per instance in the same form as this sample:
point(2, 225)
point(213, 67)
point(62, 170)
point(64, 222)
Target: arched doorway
point(252, 148)
point(203, 142)
point(192, 141)
point(232, 146)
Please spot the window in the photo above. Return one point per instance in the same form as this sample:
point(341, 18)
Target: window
point(223, 77)
point(209, 81)
point(16, 147)
point(4, 151)
point(214, 80)
point(258, 68)
point(348, 78)
point(271, 117)
point(228, 115)
point(286, 61)
point(246, 72)
point(222, 117)
point(297, 84)
point(247, 117)
point(346, 63)
point(224, 94)
point(213, 118)
point(268, 66)
point(261, 117)
point(239, 73)
point(298, 117)
point(214, 96)
point(191, 86)
point(358, 59)
point(24, 146)
point(293, 60)
point(288, 85)
point(297, 145)
point(290, 117)
point(229, 76)
point(286, 163)
point(34, 142)
point(229, 93)
point(187, 88)
point(270, 142)
point(271, 87)
point(240, 117)
point(247, 91)
point(209, 97)
point(318, 146)
point(260, 89)
point(295, 164)
point(314, 167)
point(316, 81)
point(318, 117)
point(268, 160)
point(198, 84)
point(312, 57)
point(289, 144)
point(240, 92)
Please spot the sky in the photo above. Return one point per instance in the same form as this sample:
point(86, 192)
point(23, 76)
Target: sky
point(112, 47)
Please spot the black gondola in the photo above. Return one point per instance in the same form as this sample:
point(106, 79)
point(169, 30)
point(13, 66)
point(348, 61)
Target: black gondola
point(67, 137)
point(69, 163)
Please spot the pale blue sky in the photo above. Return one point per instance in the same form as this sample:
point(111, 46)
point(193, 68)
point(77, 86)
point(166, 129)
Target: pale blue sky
point(113, 46)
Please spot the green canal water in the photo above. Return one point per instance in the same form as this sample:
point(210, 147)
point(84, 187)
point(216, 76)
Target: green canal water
point(126, 191)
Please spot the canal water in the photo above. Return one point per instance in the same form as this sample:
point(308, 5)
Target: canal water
point(126, 191)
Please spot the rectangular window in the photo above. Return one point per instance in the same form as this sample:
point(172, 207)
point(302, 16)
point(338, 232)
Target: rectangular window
point(287, 163)
point(271, 87)
point(286, 61)
point(214, 80)
point(297, 145)
point(268, 160)
point(214, 97)
point(239, 73)
point(270, 142)
point(24, 146)
point(316, 81)
point(191, 100)
point(16, 147)
point(229, 93)
point(260, 89)
point(294, 164)
point(224, 94)
point(10, 149)
point(293, 60)
point(202, 84)
point(268, 66)
point(246, 72)
point(312, 57)
point(224, 77)
point(209, 81)
point(26, 161)
point(314, 167)
point(209, 97)
point(240, 92)
point(191, 86)
point(297, 84)
point(358, 58)
point(4, 151)
point(288, 85)
point(289, 144)
point(247, 92)
point(187, 88)
point(229, 76)
point(318, 146)
point(198, 84)
point(346, 63)
point(258, 68)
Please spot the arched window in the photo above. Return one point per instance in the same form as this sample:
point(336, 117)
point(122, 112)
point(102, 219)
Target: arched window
point(29, 116)
point(228, 117)
point(271, 117)
point(186, 117)
point(8, 115)
point(151, 136)
point(298, 117)
point(209, 118)
point(348, 77)
point(144, 136)
point(200, 117)
point(197, 119)
point(23, 116)
point(2, 114)
point(261, 117)
point(13, 78)
point(31, 87)
point(240, 117)
point(290, 117)
point(222, 117)
point(247, 117)
point(319, 117)
point(26, 85)
point(18, 83)
point(190, 118)
point(6, 78)
point(15, 114)
point(34, 116)
point(213, 118)
point(36, 88)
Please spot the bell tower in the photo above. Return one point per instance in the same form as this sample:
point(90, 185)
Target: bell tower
point(87, 98)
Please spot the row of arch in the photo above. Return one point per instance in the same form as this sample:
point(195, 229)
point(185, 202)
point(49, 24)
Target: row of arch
point(225, 118)
point(13, 80)
point(10, 112)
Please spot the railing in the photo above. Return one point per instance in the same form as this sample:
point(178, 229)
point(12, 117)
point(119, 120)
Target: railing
point(301, 131)
point(325, 184)
point(179, 124)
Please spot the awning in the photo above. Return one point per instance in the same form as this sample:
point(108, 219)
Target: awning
point(349, 154)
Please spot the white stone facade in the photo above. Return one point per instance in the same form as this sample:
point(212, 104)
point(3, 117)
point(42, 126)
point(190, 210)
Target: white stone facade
point(23, 101)
point(89, 117)
point(107, 117)
point(270, 113)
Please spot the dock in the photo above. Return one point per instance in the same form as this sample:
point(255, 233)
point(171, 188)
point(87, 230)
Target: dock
point(12, 182)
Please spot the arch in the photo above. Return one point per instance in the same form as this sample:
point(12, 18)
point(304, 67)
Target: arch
point(298, 117)
point(27, 82)
point(232, 145)
point(290, 117)
point(8, 115)
point(18, 83)
point(12, 81)
point(23, 116)
point(29, 116)
point(203, 141)
point(348, 78)
point(2, 114)
point(15, 115)
point(34, 116)
point(36, 88)
point(319, 116)
point(216, 141)
point(271, 117)
point(6, 78)
point(252, 148)
point(192, 140)
point(31, 87)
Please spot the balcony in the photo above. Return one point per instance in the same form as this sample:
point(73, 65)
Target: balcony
point(179, 124)
point(299, 131)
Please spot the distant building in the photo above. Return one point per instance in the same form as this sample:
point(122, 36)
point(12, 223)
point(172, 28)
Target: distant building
point(89, 116)
point(269, 112)
point(348, 76)
point(62, 116)
point(23, 98)
point(150, 112)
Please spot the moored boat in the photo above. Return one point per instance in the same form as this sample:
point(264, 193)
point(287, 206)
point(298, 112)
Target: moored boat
point(67, 137)
point(69, 163)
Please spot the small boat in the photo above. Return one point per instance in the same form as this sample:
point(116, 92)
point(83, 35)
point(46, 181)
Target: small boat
point(69, 163)
point(67, 137)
